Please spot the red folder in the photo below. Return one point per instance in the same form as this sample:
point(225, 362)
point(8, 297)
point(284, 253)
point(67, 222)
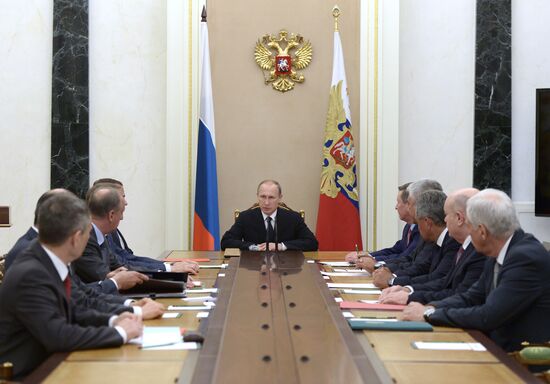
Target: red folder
point(380, 307)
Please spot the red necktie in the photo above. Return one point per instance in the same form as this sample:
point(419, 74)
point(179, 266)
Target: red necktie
point(409, 236)
point(459, 254)
point(67, 283)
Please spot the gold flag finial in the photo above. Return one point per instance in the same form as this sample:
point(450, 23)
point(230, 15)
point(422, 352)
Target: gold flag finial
point(335, 14)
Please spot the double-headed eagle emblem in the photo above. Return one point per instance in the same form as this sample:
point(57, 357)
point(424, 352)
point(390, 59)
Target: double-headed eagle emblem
point(282, 65)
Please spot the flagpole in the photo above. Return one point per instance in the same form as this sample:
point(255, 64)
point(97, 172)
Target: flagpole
point(335, 14)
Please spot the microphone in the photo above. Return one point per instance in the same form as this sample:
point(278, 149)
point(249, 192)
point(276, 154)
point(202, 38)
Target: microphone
point(276, 233)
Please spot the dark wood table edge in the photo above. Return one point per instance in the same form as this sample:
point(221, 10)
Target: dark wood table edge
point(46, 368)
point(368, 363)
point(205, 366)
point(522, 372)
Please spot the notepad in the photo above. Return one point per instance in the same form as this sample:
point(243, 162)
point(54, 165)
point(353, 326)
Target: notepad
point(199, 298)
point(352, 285)
point(448, 346)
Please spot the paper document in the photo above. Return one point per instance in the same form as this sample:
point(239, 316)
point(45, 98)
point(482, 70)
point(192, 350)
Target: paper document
point(189, 307)
point(362, 291)
point(171, 315)
point(213, 266)
point(346, 274)
point(375, 319)
point(200, 298)
point(203, 290)
point(337, 263)
point(448, 346)
point(352, 285)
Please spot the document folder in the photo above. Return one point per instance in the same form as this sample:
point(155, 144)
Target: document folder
point(390, 325)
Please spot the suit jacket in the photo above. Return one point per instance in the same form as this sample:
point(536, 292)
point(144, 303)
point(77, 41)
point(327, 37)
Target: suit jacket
point(36, 319)
point(106, 286)
point(20, 245)
point(249, 229)
point(460, 278)
point(125, 255)
point(518, 308)
point(96, 261)
point(440, 263)
point(402, 248)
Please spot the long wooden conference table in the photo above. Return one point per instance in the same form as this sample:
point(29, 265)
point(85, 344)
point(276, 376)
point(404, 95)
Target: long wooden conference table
point(276, 321)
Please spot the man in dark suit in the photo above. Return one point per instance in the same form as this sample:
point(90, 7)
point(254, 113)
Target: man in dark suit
point(403, 247)
point(98, 262)
point(430, 216)
point(466, 267)
point(511, 300)
point(282, 228)
point(125, 256)
point(37, 315)
point(102, 295)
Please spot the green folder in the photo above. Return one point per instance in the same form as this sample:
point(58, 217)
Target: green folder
point(390, 325)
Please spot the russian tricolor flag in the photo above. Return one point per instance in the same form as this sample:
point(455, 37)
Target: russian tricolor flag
point(206, 235)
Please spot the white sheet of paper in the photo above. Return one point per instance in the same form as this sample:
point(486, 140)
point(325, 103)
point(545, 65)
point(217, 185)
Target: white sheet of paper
point(352, 285)
point(449, 346)
point(381, 320)
point(199, 298)
point(337, 263)
point(213, 266)
point(338, 299)
point(362, 291)
point(175, 347)
point(202, 290)
point(348, 315)
point(170, 315)
point(346, 274)
point(197, 283)
point(202, 315)
point(188, 307)
point(369, 301)
point(310, 261)
point(158, 335)
point(221, 274)
point(350, 270)
point(326, 277)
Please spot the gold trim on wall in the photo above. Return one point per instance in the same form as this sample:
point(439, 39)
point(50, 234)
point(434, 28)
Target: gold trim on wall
point(190, 124)
point(375, 128)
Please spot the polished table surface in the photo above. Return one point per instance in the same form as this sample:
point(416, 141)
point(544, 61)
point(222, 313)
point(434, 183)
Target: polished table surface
point(402, 362)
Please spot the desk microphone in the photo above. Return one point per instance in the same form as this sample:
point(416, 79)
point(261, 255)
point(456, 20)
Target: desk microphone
point(276, 234)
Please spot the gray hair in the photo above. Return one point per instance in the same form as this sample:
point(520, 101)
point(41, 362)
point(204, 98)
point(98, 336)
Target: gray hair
point(430, 204)
point(493, 209)
point(60, 216)
point(418, 187)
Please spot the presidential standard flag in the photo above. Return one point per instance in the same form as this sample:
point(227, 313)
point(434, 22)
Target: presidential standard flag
point(206, 235)
point(338, 223)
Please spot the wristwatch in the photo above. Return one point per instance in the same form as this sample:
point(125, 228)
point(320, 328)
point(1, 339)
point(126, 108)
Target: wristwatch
point(427, 313)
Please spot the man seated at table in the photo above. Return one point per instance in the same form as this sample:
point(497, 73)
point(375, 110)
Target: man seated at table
point(102, 295)
point(422, 250)
point(511, 300)
point(37, 316)
point(269, 223)
point(430, 217)
point(118, 245)
point(403, 246)
point(466, 267)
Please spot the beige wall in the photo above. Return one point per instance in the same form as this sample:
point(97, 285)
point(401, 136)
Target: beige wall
point(262, 133)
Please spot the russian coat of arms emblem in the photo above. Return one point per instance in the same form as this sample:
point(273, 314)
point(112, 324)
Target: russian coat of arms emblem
point(274, 56)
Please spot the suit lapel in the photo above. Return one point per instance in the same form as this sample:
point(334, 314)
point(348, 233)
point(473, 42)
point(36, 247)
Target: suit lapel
point(48, 265)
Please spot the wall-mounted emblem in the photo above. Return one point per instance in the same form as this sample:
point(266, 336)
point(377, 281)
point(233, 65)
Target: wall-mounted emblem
point(274, 56)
